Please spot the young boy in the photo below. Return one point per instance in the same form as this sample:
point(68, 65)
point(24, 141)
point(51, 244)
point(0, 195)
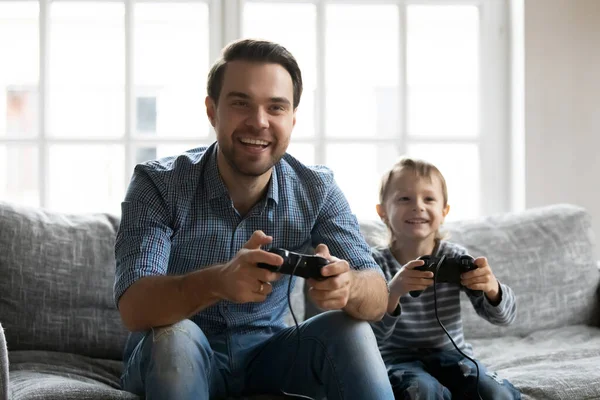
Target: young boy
point(423, 362)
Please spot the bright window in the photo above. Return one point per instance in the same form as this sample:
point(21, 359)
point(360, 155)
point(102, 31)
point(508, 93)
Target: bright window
point(112, 84)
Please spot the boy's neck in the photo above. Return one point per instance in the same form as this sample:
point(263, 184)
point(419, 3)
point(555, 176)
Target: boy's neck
point(405, 251)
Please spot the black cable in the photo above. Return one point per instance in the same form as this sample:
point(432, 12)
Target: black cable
point(437, 268)
point(289, 291)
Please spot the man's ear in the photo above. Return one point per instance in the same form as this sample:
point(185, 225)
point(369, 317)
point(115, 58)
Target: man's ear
point(380, 211)
point(211, 110)
point(294, 122)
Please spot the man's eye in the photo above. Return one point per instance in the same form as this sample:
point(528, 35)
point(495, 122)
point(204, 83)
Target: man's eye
point(278, 108)
point(239, 103)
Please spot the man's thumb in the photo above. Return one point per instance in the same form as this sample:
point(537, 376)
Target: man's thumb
point(322, 250)
point(257, 239)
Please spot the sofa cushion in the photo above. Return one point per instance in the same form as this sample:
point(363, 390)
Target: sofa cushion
point(57, 277)
point(560, 363)
point(547, 256)
point(50, 375)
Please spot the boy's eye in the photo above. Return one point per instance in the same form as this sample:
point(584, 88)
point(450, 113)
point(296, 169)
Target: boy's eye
point(403, 198)
point(429, 199)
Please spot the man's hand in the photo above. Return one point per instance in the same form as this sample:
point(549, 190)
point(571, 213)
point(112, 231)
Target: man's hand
point(240, 280)
point(482, 279)
point(332, 293)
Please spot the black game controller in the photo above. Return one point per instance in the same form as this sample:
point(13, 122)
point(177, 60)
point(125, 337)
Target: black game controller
point(303, 265)
point(448, 272)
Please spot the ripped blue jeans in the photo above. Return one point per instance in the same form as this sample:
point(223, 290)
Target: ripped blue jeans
point(338, 359)
point(447, 375)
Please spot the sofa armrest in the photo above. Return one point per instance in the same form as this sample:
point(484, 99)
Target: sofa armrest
point(3, 366)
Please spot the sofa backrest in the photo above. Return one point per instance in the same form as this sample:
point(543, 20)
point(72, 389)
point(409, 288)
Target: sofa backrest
point(57, 274)
point(546, 255)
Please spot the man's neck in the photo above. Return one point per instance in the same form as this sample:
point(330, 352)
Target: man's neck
point(244, 191)
point(408, 250)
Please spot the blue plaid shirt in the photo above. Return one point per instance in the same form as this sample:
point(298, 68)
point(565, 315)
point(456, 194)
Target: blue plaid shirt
point(177, 217)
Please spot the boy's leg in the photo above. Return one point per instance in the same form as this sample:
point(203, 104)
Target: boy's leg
point(174, 362)
point(337, 357)
point(459, 374)
point(411, 381)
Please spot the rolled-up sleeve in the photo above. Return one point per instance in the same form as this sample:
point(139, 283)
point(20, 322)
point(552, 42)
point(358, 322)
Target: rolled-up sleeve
point(143, 242)
point(338, 228)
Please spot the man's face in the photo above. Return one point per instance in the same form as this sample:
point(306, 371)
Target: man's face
point(254, 116)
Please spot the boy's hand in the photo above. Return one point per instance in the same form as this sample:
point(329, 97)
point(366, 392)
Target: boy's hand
point(408, 279)
point(482, 279)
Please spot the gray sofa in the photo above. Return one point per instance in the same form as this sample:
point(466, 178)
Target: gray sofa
point(64, 336)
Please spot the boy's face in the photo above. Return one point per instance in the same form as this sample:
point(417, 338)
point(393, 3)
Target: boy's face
point(254, 116)
point(414, 207)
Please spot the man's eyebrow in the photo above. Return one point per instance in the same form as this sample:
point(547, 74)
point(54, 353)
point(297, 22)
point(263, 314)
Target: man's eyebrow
point(242, 95)
point(238, 94)
point(282, 100)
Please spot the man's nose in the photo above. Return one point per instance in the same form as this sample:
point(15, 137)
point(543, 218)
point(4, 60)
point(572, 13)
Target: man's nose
point(258, 118)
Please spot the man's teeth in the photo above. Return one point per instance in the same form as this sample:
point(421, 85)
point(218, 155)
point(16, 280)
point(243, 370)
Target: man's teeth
point(256, 142)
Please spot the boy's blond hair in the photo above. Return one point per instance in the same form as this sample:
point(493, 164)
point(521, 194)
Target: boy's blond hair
point(422, 169)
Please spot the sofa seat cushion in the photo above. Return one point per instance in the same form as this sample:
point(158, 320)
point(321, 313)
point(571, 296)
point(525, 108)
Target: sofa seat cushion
point(560, 363)
point(52, 375)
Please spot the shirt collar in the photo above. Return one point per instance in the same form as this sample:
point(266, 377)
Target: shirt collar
point(213, 180)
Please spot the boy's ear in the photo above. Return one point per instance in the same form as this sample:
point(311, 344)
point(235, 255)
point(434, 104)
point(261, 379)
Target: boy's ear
point(446, 210)
point(380, 211)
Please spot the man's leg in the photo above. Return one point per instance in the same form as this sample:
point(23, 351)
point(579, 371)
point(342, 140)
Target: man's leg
point(459, 374)
point(174, 362)
point(410, 381)
point(337, 357)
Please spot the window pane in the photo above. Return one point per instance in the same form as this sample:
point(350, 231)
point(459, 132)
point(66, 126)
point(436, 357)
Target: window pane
point(19, 68)
point(86, 178)
point(304, 152)
point(358, 169)
point(19, 178)
point(293, 26)
point(87, 69)
point(362, 70)
point(152, 152)
point(170, 68)
point(459, 163)
point(443, 70)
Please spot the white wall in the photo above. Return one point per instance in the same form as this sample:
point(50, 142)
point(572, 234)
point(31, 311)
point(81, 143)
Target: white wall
point(562, 104)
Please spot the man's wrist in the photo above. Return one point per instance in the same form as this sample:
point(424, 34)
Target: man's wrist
point(203, 286)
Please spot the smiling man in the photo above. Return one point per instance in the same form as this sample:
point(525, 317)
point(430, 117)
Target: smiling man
point(206, 322)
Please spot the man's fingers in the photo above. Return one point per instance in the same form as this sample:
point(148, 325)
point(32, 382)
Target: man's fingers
point(256, 256)
point(333, 283)
point(413, 264)
point(323, 251)
point(257, 239)
point(335, 268)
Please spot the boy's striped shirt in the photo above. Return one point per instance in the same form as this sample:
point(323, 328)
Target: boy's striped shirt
point(413, 326)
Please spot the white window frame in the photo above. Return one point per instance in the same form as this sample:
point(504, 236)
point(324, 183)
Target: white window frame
point(225, 19)
point(494, 138)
